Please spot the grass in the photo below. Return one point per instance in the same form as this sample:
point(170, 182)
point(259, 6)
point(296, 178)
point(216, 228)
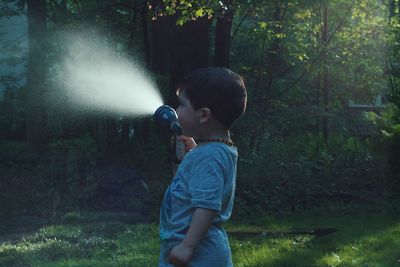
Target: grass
point(85, 240)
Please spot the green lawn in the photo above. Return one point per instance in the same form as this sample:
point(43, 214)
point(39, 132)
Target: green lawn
point(362, 240)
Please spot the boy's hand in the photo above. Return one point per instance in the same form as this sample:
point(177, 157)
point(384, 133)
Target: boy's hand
point(189, 142)
point(180, 255)
point(183, 252)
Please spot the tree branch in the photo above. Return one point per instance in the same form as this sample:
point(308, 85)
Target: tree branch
point(323, 50)
point(126, 6)
point(246, 13)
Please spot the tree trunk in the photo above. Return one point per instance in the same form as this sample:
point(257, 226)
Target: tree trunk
point(195, 39)
point(317, 119)
point(223, 39)
point(272, 65)
point(36, 116)
point(133, 25)
point(189, 50)
point(161, 40)
point(325, 88)
point(146, 42)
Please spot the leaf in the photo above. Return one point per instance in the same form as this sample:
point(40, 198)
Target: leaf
point(262, 25)
point(181, 21)
point(199, 13)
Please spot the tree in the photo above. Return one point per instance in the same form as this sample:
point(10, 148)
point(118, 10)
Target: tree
point(189, 41)
point(325, 86)
point(393, 62)
point(189, 49)
point(270, 66)
point(36, 75)
point(223, 30)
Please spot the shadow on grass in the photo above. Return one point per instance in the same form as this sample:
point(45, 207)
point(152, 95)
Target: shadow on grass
point(359, 237)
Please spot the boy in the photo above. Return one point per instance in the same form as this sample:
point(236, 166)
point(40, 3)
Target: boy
point(200, 197)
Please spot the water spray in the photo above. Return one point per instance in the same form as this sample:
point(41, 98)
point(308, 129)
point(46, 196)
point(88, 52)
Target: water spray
point(94, 76)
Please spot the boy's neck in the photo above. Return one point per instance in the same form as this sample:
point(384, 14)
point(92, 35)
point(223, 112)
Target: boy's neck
point(218, 134)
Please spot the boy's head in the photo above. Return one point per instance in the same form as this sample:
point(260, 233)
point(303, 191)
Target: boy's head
point(218, 90)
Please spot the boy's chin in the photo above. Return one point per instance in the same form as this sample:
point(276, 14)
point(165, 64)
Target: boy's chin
point(188, 134)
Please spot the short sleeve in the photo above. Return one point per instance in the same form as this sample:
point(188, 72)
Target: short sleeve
point(207, 183)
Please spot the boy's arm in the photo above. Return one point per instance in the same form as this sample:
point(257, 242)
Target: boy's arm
point(201, 222)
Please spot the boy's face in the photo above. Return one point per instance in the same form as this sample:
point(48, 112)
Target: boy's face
point(188, 117)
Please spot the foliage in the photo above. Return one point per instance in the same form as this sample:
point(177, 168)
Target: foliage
point(387, 144)
point(298, 177)
point(191, 10)
point(70, 176)
point(290, 167)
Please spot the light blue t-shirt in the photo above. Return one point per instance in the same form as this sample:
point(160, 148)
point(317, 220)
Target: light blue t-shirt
point(206, 178)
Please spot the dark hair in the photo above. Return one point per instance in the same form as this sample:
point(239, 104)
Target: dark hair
point(219, 89)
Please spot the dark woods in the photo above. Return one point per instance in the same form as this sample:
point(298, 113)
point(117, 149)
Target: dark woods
point(322, 126)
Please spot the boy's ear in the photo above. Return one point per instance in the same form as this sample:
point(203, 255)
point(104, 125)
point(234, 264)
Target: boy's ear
point(205, 114)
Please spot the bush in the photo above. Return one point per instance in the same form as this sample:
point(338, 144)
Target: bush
point(386, 143)
point(292, 175)
point(70, 176)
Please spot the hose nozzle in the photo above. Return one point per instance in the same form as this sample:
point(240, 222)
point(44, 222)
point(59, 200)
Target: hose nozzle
point(166, 116)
